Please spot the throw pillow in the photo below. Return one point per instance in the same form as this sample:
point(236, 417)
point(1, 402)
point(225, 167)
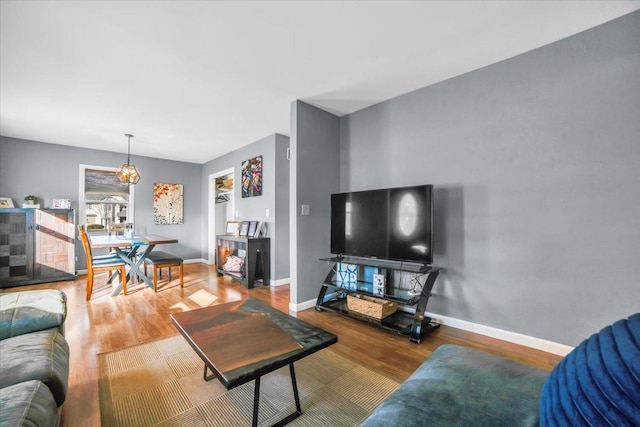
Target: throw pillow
point(598, 383)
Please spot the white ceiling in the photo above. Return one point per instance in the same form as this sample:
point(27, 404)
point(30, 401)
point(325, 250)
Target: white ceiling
point(193, 80)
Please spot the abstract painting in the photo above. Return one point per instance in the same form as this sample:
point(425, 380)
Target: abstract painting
point(252, 177)
point(167, 203)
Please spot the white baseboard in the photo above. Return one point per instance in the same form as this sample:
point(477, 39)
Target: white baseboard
point(303, 305)
point(501, 334)
point(280, 282)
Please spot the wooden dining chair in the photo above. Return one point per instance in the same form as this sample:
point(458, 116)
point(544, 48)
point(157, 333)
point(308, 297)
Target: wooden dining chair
point(100, 263)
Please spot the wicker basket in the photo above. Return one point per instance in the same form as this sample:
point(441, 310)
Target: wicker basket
point(370, 306)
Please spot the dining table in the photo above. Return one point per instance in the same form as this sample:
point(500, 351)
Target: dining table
point(128, 248)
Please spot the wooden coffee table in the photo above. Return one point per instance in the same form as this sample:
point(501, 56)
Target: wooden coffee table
point(243, 340)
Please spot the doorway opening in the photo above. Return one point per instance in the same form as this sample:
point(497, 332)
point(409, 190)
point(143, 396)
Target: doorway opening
point(221, 207)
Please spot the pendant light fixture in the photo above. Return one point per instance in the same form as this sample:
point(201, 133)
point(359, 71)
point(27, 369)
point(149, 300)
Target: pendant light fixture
point(128, 173)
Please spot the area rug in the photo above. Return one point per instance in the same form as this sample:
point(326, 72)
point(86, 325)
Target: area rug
point(160, 384)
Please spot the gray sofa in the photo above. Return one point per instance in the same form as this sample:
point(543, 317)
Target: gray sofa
point(34, 357)
point(459, 386)
point(596, 384)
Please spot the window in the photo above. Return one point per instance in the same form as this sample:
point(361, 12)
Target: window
point(104, 200)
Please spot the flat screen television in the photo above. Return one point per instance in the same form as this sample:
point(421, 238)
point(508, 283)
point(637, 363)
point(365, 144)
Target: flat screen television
point(393, 224)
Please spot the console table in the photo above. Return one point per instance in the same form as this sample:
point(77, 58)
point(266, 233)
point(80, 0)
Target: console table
point(255, 251)
point(350, 276)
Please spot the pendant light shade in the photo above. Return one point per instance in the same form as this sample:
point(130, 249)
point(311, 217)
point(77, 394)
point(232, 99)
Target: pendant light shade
point(128, 173)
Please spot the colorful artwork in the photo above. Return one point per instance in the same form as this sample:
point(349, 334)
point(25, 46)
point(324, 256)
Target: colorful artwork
point(252, 177)
point(167, 203)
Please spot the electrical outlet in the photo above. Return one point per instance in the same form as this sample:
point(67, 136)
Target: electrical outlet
point(266, 213)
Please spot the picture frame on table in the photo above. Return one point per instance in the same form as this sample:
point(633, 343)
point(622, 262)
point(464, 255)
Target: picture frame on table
point(261, 229)
point(244, 228)
point(252, 228)
point(61, 204)
point(6, 202)
point(232, 228)
point(379, 281)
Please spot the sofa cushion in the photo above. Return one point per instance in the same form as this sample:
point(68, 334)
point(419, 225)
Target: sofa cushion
point(31, 311)
point(42, 356)
point(28, 404)
point(598, 383)
point(459, 386)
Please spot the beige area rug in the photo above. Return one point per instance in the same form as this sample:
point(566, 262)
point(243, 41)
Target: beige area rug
point(160, 384)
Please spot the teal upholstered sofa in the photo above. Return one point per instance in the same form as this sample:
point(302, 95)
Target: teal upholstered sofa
point(34, 357)
point(597, 384)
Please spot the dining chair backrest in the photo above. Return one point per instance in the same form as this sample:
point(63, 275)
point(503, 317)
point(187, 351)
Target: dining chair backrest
point(85, 242)
point(103, 264)
point(119, 228)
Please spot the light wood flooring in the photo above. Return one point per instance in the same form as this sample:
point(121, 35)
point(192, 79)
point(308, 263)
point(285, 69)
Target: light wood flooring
point(109, 323)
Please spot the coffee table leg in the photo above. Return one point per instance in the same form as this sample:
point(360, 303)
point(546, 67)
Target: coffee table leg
point(207, 378)
point(288, 418)
point(295, 391)
point(256, 402)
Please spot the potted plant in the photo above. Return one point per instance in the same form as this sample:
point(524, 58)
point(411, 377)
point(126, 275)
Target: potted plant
point(30, 199)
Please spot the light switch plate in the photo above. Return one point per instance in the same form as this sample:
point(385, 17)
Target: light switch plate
point(305, 210)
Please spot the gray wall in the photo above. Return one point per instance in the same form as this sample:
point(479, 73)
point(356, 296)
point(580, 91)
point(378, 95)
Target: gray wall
point(536, 164)
point(281, 213)
point(315, 174)
point(273, 151)
point(52, 171)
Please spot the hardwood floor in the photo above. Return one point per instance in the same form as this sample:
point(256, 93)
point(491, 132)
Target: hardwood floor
point(109, 323)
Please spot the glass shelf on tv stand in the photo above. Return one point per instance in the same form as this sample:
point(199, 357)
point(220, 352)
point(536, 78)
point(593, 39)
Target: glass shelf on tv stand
point(397, 295)
point(411, 267)
point(335, 290)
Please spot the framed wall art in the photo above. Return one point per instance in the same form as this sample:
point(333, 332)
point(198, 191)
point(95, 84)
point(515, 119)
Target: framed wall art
point(252, 177)
point(168, 203)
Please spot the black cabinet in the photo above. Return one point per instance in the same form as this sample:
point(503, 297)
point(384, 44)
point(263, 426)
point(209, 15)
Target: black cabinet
point(254, 252)
point(36, 246)
point(407, 285)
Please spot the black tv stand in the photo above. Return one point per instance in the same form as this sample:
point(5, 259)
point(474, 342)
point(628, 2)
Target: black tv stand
point(336, 289)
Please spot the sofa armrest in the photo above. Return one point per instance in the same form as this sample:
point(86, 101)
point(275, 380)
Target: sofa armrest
point(29, 403)
point(31, 311)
